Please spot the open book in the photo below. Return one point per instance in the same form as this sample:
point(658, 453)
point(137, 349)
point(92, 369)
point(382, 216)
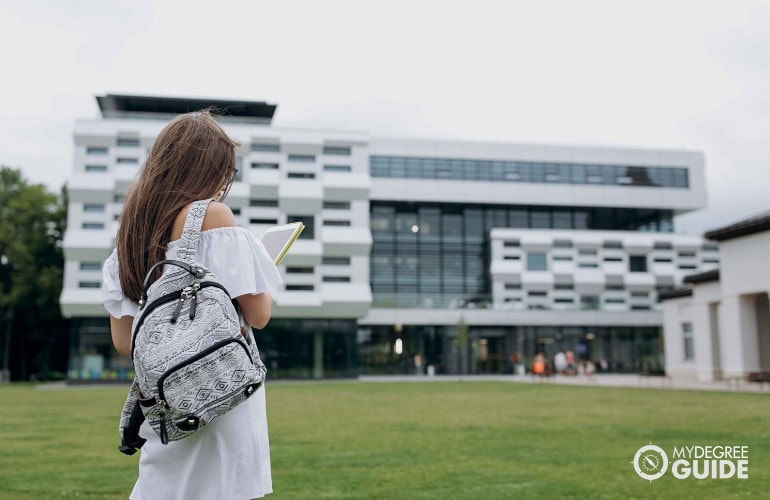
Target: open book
point(278, 239)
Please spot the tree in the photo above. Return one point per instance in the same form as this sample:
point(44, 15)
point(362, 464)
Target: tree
point(32, 224)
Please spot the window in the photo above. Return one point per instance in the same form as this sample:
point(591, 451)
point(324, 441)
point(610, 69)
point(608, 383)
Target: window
point(613, 259)
point(302, 158)
point(96, 150)
point(96, 168)
point(564, 286)
point(300, 175)
point(563, 258)
point(90, 266)
point(614, 300)
point(562, 244)
point(337, 168)
point(309, 221)
point(128, 161)
point(300, 288)
point(299, 270)
point(336, 261)
point(686, 254)
point(337, 150)
point(661, 260)
point(589, 302)
point(336, 279)
point(709, 247)
point(688, 348)
point(536, 261)
point(537, 293)
point(511, 257)
point(337, 205)
point(337, 223)
point(92, 225)
point(265, 147)
point(564, 300)
point(269, 222)
point(264, 166)
point(513, 286)
point(662, 245)
point(128, 142)
point(509, 244)
point(587, 251)
point(612, 244)
point(93, 207)
point(89, 284)
point(262, 203)
point(637, 263)
point(588, 265)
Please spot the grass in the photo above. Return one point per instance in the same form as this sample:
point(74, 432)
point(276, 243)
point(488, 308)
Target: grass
point(482, 440)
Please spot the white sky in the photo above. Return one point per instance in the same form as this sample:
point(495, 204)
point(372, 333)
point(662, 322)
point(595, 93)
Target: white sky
point(675, 74)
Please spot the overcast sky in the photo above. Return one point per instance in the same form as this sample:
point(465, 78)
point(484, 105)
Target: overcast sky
point(691, 75)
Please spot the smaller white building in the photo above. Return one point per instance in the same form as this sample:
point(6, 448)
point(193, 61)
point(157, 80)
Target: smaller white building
point(718, 325)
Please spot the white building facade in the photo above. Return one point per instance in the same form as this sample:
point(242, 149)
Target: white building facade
point(718, 325)
point(534, 248)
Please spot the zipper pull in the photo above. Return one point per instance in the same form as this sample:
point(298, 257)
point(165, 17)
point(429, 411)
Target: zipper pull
point(177, 310)
point(193, 303)
point(163, 431)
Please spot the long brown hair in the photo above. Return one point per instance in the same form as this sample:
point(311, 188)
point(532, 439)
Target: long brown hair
point(192, 159)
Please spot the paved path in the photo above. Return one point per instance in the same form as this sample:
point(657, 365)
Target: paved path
point(603, 380)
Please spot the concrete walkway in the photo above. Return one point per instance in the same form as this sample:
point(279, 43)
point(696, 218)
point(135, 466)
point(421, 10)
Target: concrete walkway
point(602, 380)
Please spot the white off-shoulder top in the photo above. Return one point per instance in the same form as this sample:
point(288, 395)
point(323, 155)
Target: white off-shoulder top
point(229, 458)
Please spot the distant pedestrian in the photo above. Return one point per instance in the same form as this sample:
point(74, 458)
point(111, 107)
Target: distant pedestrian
point(538, 365)
point(560, 363)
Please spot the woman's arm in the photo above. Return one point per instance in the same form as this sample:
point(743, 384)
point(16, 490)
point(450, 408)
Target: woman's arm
point(256, 309)
point(121, 334)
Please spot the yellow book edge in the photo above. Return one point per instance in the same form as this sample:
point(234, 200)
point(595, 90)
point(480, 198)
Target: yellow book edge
point(279, 239)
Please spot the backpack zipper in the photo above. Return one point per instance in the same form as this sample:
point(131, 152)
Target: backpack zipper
point(169, 297)
point(161, 394)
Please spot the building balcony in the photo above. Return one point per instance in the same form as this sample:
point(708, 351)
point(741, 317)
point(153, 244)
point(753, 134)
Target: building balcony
point(346, 240)
point(88, 245)
point(81, 302)
point(346, 186)
point(300, 196)
point(91, 187)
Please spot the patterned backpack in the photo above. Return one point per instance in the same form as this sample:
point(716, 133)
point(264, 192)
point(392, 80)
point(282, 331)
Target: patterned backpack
point(193, 361)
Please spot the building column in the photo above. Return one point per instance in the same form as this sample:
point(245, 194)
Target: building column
point(738, 340)
point(318, 354)
point(704, 332)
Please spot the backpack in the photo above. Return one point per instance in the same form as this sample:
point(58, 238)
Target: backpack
point(193, 361)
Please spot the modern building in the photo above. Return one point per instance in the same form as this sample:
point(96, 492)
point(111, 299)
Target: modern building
point(448, 255)
point(718, 324)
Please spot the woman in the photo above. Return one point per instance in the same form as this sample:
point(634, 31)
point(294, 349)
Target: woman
point(194, 159)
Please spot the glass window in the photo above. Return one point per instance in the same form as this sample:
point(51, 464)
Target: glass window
point(336, 279)
point(264, 166)
point(265, 147)
point(128, 142)
point(336, 261)
point(89, 284)
point(90, 266)
point(299, 270)
point(302, 158)
point(128, 161)
point(92, 225)
point(93, 207)
point(309, 221)
point(96, 150)
point(337, 150)
point(339, 223)
point(300, 175)
point(637, 263)
point(688, 348)
point(96, 168)
point(536, 261)
point(256, 202)
point(337, 205)
point(337, 168)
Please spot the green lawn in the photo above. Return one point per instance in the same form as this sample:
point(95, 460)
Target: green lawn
point(443, 440)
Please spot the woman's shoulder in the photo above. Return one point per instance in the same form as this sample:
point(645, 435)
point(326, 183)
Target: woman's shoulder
point(218, 215)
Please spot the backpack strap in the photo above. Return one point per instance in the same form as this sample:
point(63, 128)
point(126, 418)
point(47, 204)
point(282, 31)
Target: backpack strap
point(188, 244)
